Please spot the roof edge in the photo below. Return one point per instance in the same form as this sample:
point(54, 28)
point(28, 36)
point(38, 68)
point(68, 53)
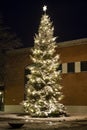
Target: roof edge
point(60, 44)
point(73, 42)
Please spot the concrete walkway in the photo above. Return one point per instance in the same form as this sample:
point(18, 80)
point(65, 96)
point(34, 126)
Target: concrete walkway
point(74, 122)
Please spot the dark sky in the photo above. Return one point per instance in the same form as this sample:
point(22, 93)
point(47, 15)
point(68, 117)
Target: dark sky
point(23, 16)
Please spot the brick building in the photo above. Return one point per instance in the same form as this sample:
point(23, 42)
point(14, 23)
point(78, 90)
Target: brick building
point(73, 55)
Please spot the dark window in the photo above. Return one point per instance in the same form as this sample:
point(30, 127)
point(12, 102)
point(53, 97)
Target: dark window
point(83, 65)
point(60, 67)
point(27, 71)
point(71, 67)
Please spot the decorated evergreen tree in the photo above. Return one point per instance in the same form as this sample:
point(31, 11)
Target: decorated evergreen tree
point(43, 89)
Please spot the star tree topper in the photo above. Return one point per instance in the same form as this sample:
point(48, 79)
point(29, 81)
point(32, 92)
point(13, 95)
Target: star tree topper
point(44, 8)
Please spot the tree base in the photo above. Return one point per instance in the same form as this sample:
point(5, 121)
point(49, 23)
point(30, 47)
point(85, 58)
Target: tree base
point(60, 114)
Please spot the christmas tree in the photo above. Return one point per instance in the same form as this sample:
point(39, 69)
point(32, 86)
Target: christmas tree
point(43, 89)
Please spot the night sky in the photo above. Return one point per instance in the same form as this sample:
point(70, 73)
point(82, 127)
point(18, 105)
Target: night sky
point(23, 16)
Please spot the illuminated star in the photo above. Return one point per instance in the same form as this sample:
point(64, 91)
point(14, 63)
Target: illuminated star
point(44, 8)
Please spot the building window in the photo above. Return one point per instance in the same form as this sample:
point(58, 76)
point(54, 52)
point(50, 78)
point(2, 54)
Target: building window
point(27, 71)
point(60, 67)
point(71, 67)
point(83, 65)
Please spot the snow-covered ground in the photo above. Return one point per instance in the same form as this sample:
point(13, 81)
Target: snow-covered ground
point(74, 122)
